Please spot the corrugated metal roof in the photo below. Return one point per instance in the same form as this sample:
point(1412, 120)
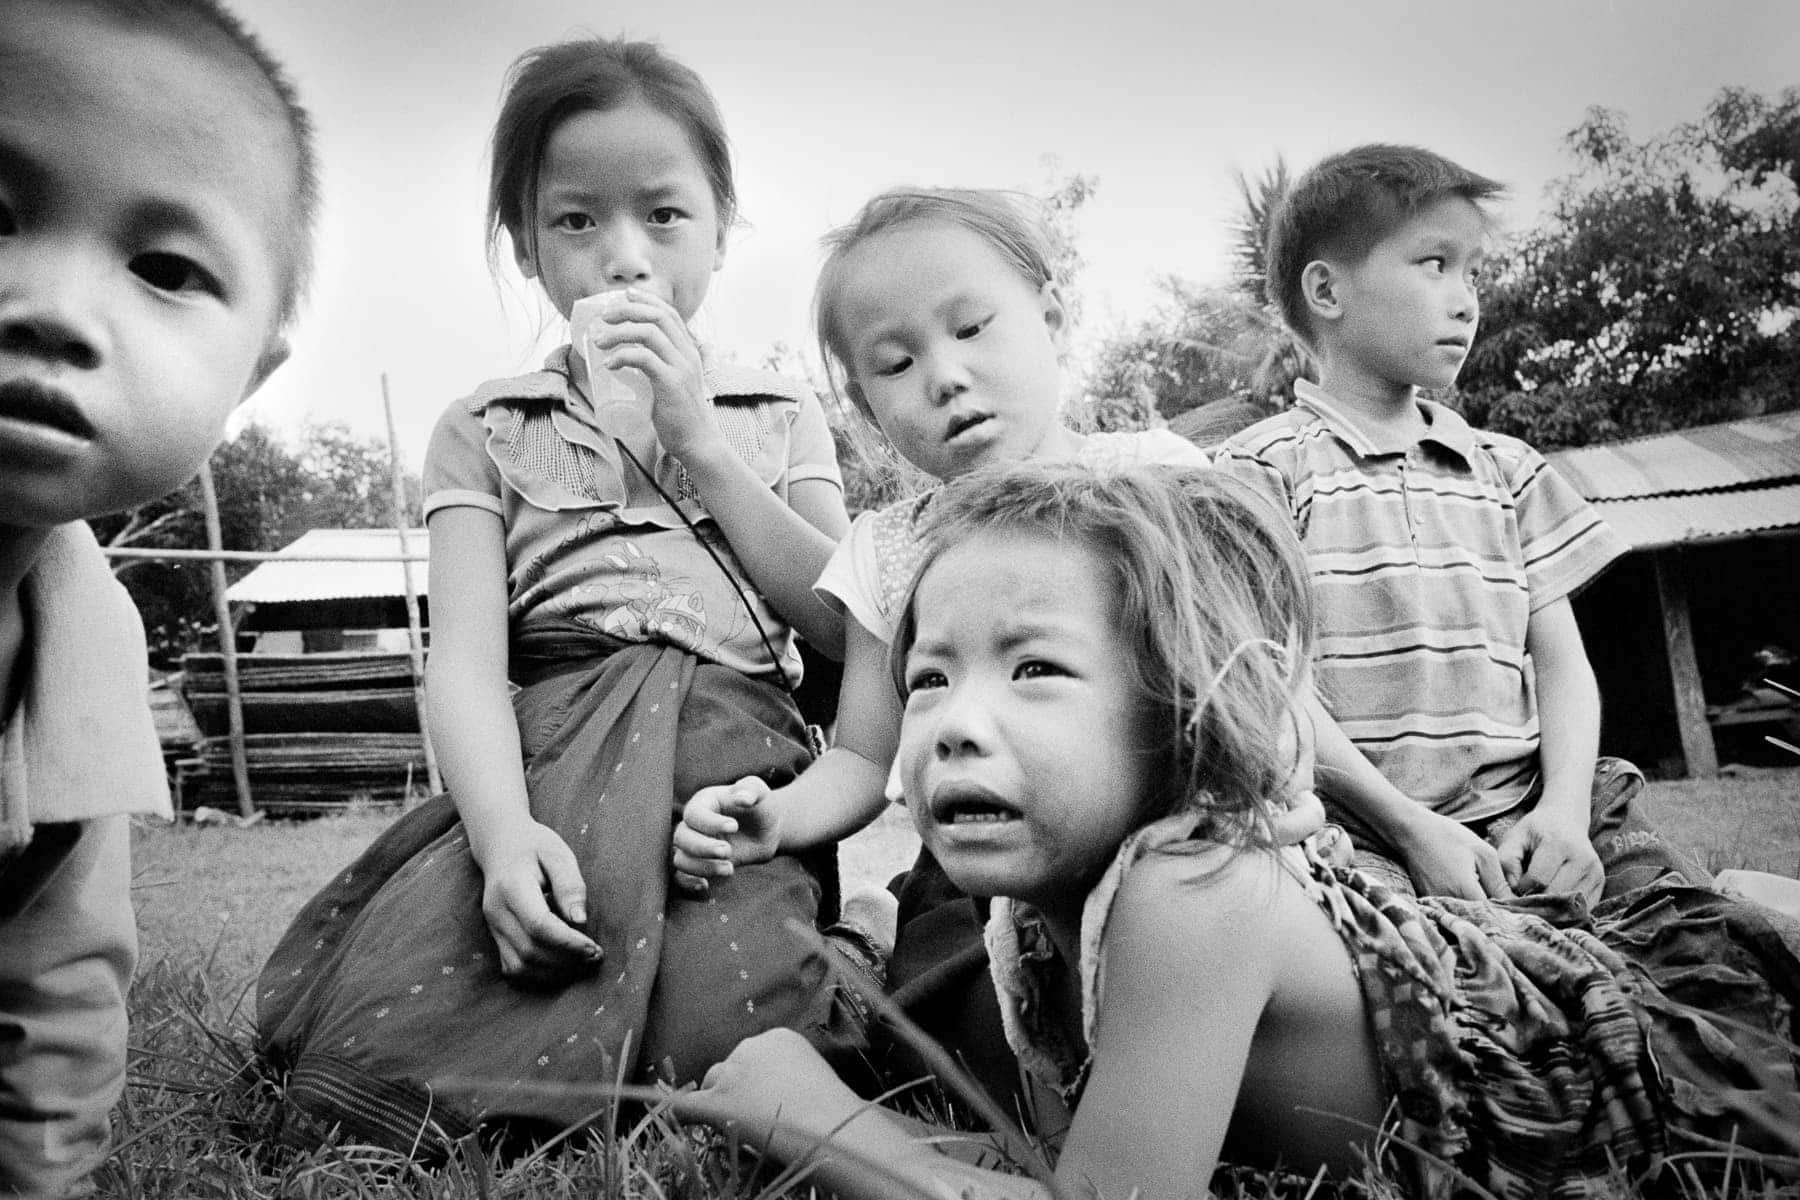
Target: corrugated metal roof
point(1709, 483)
point(1757, 450)
point(1656, 521)
point(286, 582)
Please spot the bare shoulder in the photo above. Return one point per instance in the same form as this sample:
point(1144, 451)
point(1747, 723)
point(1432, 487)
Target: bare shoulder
point(1200, 910)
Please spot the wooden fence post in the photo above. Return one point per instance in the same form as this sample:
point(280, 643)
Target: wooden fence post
point(1684, 666)
point(414, 632)
point(234, 701)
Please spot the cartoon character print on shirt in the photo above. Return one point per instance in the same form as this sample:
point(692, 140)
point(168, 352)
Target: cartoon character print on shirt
point(642, 605)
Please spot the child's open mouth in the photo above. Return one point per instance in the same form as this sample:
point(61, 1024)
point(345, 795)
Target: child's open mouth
point(961, 425)
point(968, 805)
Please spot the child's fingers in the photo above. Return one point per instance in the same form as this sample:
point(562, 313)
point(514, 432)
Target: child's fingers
point(703, 817)
point(698, 853)
point(568, 891)
point(1492, 873)
point(742, 799)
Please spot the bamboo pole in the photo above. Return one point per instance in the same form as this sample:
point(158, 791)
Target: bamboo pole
point(161, 554)
point(234, 700)
point(415, 637)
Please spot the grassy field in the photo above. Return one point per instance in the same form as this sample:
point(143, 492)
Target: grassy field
point(212, 900)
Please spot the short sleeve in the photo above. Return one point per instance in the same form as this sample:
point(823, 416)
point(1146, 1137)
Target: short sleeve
point(1264, 476)
point(851, 581)
point(811, 452)
point(458, 469)
point(1566, 544)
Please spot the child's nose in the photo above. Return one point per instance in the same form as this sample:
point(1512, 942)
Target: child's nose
point(45, 317)
point(627, 258)
point(965, 723)
point(949, 378)
point(1466, 302)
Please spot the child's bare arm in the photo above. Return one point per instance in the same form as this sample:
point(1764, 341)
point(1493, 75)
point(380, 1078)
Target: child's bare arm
point(476, 738)
point(1189, 972)
point(1443, 856)
point(838, 794)
point(1549, 849)
point(776, 1091)
point(783, 548)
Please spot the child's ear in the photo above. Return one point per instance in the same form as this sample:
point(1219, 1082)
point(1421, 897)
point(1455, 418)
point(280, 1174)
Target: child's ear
point(1056, 315)
point(273, 355)
point(1319, 290)
point(523, 256)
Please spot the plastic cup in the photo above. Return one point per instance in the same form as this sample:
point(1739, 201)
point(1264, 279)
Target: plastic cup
point(622, 398)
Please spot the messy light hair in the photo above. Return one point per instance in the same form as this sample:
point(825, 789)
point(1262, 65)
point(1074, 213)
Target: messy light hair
point(1209, 587)
point(1001, 219)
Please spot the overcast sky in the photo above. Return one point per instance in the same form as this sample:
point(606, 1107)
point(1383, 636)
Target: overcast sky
point(827, 103)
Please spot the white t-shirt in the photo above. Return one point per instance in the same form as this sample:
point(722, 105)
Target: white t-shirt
point(868, 575)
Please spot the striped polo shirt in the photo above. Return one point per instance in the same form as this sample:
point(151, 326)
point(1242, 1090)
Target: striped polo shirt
point(1427, 562)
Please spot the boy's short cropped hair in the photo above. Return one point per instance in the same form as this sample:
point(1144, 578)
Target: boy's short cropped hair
point(187, 17)
point(1346, 204)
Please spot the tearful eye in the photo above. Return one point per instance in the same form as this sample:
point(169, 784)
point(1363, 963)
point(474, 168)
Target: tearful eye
point(173, 273)
point(921, 681)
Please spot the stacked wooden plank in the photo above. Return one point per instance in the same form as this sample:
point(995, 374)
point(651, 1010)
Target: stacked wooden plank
point(321, 730)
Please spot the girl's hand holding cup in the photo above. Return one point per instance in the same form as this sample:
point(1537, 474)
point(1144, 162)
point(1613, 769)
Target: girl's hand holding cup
point(636, 338)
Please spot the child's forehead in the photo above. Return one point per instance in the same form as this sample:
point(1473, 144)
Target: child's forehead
point(916, 269)
point(1449, 218)
point(165, 98)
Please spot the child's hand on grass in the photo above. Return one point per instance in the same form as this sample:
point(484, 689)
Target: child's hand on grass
point(536, 943)
point(774, 1088)
point(722, 826)
point(1447, 858)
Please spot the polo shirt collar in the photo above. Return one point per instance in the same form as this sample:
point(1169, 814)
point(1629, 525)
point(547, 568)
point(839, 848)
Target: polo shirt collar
point(1445, 427)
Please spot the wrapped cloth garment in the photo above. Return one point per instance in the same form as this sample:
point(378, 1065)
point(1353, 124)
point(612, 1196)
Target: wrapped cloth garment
point(384, 1005)
point(1530, 1049)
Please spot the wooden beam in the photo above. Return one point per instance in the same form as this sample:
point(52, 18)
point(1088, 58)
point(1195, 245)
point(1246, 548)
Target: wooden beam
point(234, 704)
point(1684, 668)
point(415, 637)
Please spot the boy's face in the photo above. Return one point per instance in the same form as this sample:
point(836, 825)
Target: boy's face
point(145, 179)
point(1406, 313)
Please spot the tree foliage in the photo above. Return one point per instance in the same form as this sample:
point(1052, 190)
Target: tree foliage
point(269, 493)
point(1659, 290)
point(1201, 344)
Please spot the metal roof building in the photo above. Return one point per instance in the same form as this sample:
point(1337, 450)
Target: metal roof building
point(1712, 515)
point(336, 564)
point(1711, 483)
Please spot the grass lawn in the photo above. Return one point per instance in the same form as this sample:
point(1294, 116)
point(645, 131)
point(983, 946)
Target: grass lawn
point(212, 900)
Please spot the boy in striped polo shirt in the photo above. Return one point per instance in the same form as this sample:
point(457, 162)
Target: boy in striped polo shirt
point(1443, 557)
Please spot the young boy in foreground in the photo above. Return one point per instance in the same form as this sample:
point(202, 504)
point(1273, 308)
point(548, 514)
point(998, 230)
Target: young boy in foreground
point(1443, 557)
point(156, 196)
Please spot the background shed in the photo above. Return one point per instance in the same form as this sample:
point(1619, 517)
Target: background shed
point(1676, 628)
point(328, 696)
point(305, 604)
